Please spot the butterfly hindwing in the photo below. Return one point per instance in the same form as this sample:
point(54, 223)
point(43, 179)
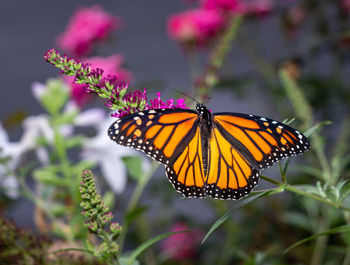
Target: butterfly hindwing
point(186, 172)
point(230, 175)
point(260, 140)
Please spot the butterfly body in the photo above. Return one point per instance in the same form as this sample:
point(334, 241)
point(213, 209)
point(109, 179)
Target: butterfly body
point(218, 155)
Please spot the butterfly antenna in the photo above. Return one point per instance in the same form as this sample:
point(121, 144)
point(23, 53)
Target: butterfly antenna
point(185, 95)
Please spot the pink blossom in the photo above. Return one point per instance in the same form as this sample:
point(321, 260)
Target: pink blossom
point(346, 5)
point(138, 97)
point(133, 101)
point(195, 26)
point(257, 7)
point(87, 27)
point(157, 103)
point(181, 246)
point(111, 65)
point(223, 5)
point(294, 17)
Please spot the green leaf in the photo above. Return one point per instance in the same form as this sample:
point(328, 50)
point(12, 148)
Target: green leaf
point(298, 219)
point(75, 141)
point(335, 230)
point(126, 261)
point(135, 213)
point(72, 249)
point(310, 171)
point(310, 131)
point(58, 209)
point(344, 192)
point(48, 177)
point(67, 117)
point(286, 164)
point(109, 199)
point(134, 166)
point(55, 96)
point(286, 121)
point(83, 165)
point(129, 260)
point(251, 197)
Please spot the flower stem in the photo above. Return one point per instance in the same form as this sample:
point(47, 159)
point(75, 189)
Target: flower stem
point(140, 186)
point(135, 198)
point(292, 188)
point(218, 55)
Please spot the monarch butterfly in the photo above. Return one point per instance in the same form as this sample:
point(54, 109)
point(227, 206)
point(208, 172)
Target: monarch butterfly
point(218, 155)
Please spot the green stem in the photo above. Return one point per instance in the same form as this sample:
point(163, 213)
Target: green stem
point(293, 189)
point(218, 55)
point(141, 186)
point(347, 256)
point(135, 198)
point(283, 174)
point(321, 242)
point(106, 238)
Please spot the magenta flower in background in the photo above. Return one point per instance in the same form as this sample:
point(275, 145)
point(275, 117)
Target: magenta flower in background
point(294, 18)
point(195, 26)
point(181, 246)
point(87, 26)
point(222, 5)
point(111, 65)
point(257, 7)
point(346, 5)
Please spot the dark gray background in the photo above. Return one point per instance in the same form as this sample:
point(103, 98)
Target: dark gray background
point(29, 28)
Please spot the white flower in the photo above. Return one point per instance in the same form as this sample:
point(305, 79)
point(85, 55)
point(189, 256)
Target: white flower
point(38, 90)
point(13, 151)
point(109, 156)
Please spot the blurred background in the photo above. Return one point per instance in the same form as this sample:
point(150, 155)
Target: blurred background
point(283, 59)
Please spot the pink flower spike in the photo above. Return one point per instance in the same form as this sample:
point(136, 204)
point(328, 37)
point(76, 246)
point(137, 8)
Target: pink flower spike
point(87, 26)
point(112, 71)
point(195, 26)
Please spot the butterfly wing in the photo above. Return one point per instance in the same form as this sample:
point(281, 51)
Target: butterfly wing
point(186, 172)
point(230, 175)
point(170, 136)
point(240, 145)
point(161, 134)
point(261, 141)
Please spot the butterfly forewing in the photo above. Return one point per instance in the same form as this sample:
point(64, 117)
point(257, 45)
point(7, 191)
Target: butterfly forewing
point(260, 140)
point(161, 134)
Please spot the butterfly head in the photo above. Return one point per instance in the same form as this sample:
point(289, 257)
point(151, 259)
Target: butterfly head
point(204, 113)
point(201, 108)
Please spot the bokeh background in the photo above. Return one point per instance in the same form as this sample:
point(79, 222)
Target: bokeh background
point(308, 39)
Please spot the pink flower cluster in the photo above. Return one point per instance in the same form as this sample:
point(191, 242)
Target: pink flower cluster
point(157, 103)
point(181, 246)
point(195, 26)
point(199, 26)
point(87, 27)
point(111, 65)
point(346, 6)
point(137, 97)
point(223, 5)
